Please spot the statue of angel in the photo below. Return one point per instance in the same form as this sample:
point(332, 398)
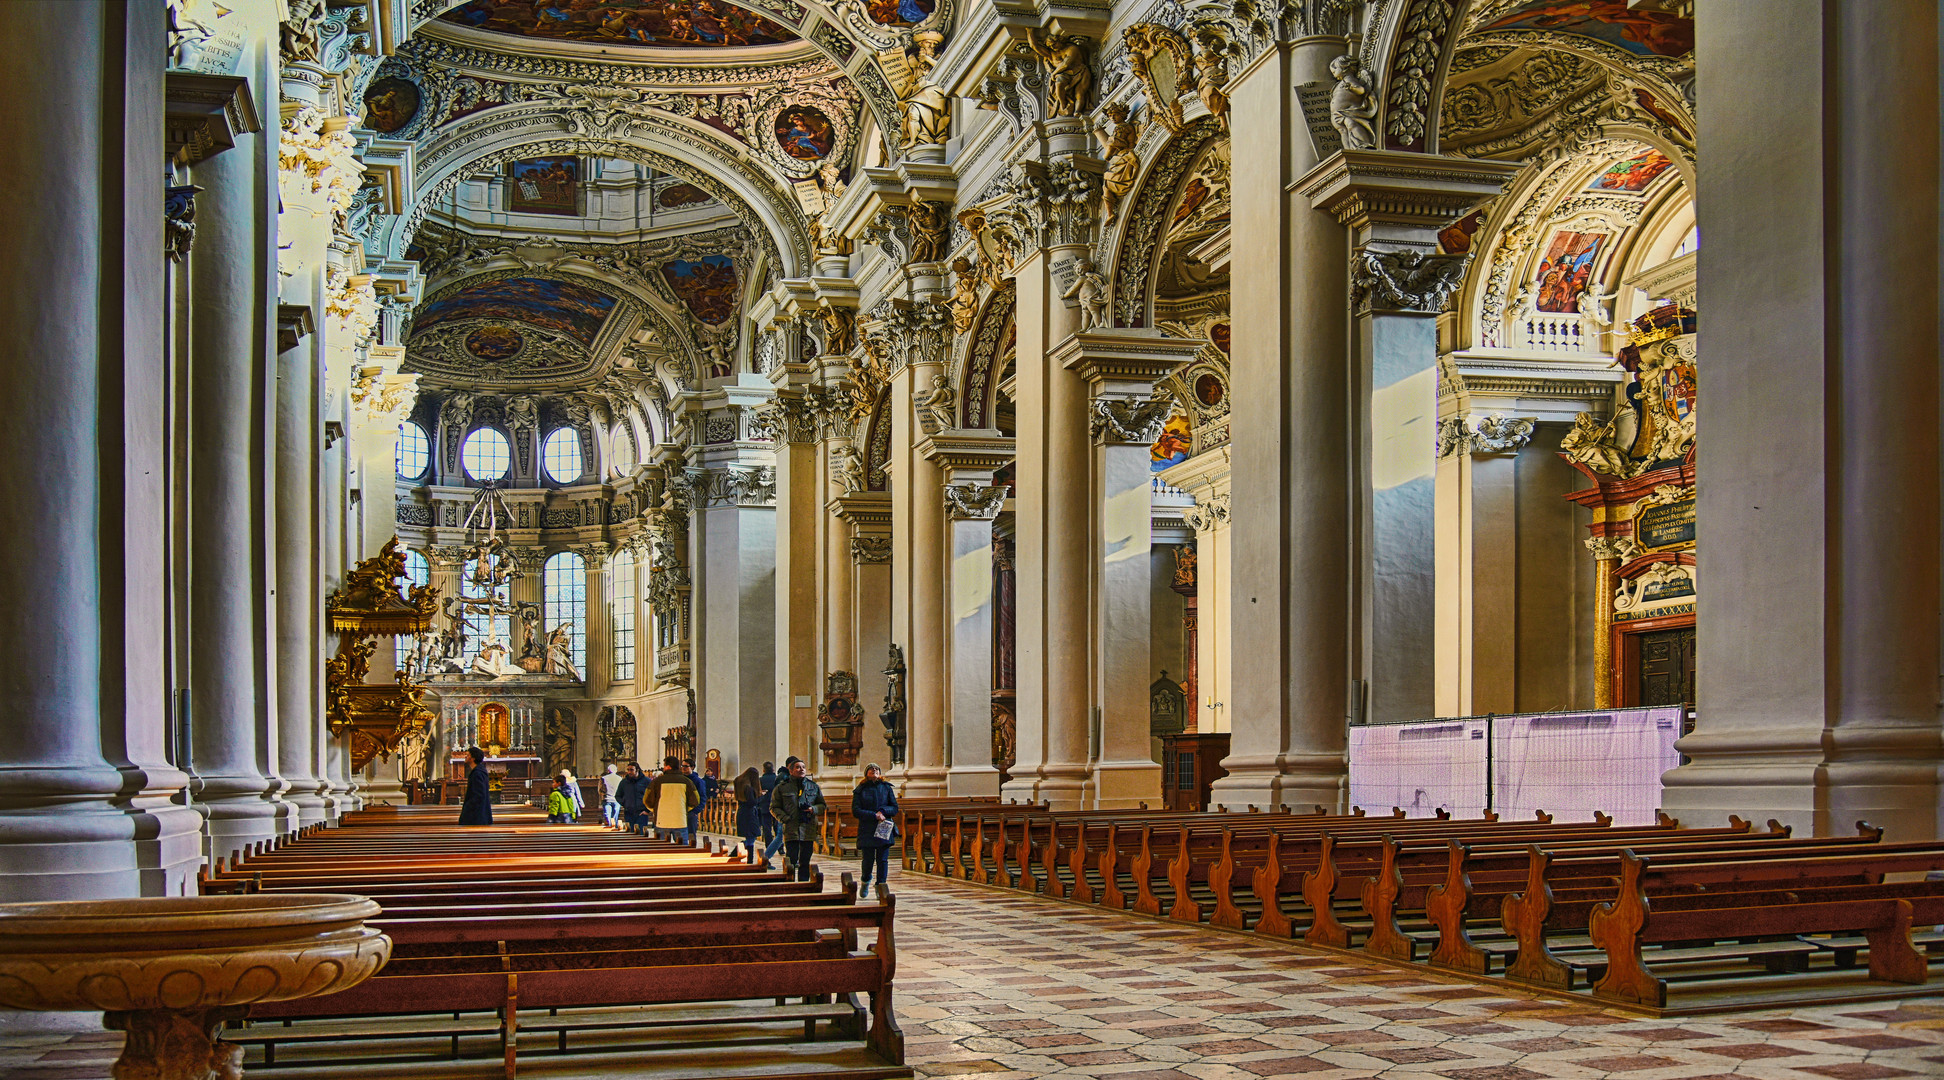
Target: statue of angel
point(1090, 288)
point(1351, 106)
point(1068, 79)
point(1118, 131)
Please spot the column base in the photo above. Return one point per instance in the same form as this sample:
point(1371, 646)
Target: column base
point(1123, 785)
point(1817, 783)
point(924, 783)
point(309, 801)
point(972, 782)
point(91, 849)
point(384, 791)
point(1060, 787)
point(1301, 782)
point(239, 812)
point(1757, 775)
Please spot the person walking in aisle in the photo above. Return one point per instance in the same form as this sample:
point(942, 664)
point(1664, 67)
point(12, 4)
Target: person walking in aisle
point(632, 794)
point(797, 804)
point(559, 806)
point(768, 782)
point(477, 809)
point(674, 798)
point(875, 805)
point(610, 797)
point(775, 834)
point(571, 787)
point(749, 803)
point(703, 785)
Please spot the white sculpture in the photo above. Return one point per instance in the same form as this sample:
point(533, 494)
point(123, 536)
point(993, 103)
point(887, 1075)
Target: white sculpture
point(1090, 288)
point(492, 661)
point(942, 402)
point(560, 652)
point(1351, 107)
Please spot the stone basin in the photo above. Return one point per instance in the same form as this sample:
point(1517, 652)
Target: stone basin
point(170, 970)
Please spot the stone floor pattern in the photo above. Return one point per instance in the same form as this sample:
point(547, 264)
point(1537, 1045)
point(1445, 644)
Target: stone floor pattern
point(1005, 985)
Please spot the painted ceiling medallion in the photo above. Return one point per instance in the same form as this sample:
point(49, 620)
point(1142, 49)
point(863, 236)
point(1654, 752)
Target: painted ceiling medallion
point(494, 343)
point(707, 285)
point(805, 133)
point(900, 12)
point(390, 104)
point(680, 24)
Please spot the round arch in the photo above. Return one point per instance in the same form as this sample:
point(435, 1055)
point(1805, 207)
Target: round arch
point(978, 371)
point(1133, 248)
point(493, 139)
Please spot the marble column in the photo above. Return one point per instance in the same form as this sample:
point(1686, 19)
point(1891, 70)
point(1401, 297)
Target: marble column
point(1393, 204)
point(337, 516)
point(231, 483)
point(732, 561)
point(1206, 477)
point(1818, 612)
point(866, 516)
point(1290, 531)
point(1121, 368)
point(1054, 555)
point(598, 664)
point(799, 538)
point(969, 459)
point(85, 783)
point(918, 584)
point(300, 599)
point(1477, 643)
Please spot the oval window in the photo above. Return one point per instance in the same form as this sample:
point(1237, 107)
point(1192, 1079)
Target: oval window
point(562, 455)
point(414, 451)
point(485, 455)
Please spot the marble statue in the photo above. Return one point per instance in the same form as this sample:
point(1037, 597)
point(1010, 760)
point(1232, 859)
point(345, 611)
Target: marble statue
point(1351, 107)
point(560, 652)
point(1090, 289)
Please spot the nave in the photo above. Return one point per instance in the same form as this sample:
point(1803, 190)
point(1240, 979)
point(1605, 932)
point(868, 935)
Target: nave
point(1004, 985)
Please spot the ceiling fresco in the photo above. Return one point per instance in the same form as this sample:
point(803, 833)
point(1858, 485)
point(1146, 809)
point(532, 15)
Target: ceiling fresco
point(564, 307)
point(684, 24)
point(1643, 33)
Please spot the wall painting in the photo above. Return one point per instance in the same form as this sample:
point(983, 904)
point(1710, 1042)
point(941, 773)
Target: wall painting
point(691, 24)
point(1643, 33)
point(707, 285)
point(548, 185)
point(564, 307)
point(1566, 271)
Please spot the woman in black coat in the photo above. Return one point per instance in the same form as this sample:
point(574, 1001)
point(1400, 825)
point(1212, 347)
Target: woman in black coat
point(749, 799)
point(478, 807)
point(875, 805)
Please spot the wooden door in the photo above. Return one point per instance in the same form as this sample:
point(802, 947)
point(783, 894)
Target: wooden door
point(1666, 668)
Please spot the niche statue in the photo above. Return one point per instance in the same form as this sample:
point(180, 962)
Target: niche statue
point(893, 715)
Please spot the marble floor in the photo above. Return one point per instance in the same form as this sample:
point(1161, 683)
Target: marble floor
point(1004, 985)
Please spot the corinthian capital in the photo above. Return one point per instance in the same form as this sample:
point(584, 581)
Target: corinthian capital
point(975, 502)
point(1404, 280)
point(1128, 421)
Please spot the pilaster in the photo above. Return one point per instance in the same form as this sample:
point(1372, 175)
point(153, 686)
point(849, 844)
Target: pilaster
point(1121, 368)
point(968, 459)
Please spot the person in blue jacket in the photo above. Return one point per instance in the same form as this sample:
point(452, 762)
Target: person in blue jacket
point(477, 809)
point(875, 805)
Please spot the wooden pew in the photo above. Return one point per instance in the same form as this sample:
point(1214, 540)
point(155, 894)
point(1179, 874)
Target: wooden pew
point(622, 935)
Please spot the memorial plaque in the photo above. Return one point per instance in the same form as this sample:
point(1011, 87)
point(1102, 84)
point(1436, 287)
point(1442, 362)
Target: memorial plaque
point(1666, 525)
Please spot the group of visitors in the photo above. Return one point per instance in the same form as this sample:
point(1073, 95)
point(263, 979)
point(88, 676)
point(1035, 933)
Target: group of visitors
point(776, 810)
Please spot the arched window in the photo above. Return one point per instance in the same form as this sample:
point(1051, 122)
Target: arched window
point(563, 598)
point(485, 455)
point(418, 572)
point(562, 455)
point(622, 616)
point(414, 452)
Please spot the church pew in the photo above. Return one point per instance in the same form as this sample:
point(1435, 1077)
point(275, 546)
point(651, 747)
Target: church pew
point(1777, 899)
point(503, 961)
point(606, 906)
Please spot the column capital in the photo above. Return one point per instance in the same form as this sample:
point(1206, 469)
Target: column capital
point(1493, 434)
point(975, 502)
point(594, 554)
point(866, 510)
point(968, 455)
point(1127, 421)
point(1124, 362)
point(1395, 195)
point(204, 114)
point(1208, 512)
point(871, 549)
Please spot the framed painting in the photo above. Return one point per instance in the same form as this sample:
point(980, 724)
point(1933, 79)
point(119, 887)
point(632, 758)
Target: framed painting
point(1566, 271)
point(544, 186)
